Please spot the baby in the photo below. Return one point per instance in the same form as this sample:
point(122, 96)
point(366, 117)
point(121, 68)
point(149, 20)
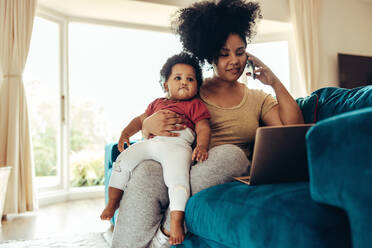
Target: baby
point(181, 78)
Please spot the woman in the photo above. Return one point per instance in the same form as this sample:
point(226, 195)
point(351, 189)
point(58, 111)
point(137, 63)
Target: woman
point(214, 33)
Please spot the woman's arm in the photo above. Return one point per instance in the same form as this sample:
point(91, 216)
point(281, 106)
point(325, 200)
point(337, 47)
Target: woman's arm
point(287, 112)
point(161, 123)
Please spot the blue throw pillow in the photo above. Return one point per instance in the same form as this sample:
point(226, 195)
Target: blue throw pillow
point(308, 106)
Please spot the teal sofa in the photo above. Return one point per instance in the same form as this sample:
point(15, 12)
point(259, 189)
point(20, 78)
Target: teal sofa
point(333, 209)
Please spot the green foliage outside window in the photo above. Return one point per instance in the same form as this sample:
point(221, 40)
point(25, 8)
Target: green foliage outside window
point(45, 153)
point(87, 172)
point(87, 140)
point(44, 139)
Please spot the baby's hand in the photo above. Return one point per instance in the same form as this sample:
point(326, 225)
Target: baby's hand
point(200, 153)
point(124, 138)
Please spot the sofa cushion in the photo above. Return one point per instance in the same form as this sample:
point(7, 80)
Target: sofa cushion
point(308, 106)
point(334, 101)
point(281, 215)
point(193, 241)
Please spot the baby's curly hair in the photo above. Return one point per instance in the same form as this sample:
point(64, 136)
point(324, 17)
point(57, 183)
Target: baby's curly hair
point(181, 58)
point(204, 26)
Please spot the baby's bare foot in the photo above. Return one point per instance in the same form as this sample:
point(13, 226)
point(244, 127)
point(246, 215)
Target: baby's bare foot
point(177, 234)
point(109, 211)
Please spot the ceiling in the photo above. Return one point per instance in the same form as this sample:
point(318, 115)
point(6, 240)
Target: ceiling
point(151, 13)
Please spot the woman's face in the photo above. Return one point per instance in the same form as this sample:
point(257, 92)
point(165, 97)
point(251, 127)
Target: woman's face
point(231, 59)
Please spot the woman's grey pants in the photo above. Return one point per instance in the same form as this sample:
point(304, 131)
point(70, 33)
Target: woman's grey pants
point(145, 201)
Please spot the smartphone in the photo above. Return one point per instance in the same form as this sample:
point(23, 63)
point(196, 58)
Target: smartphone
point(250, 68)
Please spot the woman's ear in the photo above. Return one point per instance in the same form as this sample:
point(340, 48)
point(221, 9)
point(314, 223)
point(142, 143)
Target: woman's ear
point(214, 63)
point(214, 67)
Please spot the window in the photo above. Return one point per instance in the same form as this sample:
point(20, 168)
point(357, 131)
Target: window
point(114, 75)
point(42, 83)
point(275, 55)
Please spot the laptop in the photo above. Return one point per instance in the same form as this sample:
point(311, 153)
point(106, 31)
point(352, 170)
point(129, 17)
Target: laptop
point(279, 155)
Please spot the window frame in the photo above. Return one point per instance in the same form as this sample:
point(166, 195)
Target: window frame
point(63, 191)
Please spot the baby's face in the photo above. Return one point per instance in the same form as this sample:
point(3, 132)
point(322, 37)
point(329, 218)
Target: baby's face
point(181, 84)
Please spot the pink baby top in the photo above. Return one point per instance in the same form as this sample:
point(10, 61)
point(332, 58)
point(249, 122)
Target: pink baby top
point(193, 110)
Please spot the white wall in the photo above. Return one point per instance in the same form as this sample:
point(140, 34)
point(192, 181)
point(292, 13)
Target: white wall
point(345, 27)
point(277, 10)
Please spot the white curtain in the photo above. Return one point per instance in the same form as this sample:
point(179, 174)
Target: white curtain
point(16, 21)
point(304, 17)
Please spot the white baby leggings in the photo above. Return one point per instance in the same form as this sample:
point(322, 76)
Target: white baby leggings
point(173, 153)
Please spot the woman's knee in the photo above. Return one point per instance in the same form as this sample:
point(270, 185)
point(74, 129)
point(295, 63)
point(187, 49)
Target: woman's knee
point(228, 148)
point(147, 178)
point(224, 162)
point(230, 156)
point(147, 171)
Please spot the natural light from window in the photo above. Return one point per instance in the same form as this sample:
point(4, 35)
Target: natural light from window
point(113, 74)
point(275, 56)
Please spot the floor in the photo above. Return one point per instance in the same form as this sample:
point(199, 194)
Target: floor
point(72, 217)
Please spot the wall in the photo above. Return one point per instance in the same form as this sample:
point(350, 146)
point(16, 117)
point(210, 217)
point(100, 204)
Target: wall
point(345, 27)
point(276, 10)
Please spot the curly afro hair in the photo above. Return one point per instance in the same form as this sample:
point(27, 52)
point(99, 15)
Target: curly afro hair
point(181, 58)
point(205, 26)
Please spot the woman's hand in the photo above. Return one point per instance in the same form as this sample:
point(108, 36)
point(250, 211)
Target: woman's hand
point(162, 123)
point(262, 72)
point(200, 153)
point(287, 112)
point(124, 138)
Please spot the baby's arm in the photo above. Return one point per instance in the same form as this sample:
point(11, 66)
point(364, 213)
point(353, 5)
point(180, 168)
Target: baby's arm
point(203, 134)
point(133, 127)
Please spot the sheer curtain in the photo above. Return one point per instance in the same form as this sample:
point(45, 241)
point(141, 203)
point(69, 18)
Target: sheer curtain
point(16, 20)
point(304, 17)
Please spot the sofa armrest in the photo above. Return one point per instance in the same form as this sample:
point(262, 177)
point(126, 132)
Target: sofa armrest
point(111, 153)
point(340, 168)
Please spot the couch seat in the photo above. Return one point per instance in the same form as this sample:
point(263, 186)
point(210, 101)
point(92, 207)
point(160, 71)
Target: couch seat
point(280, 215)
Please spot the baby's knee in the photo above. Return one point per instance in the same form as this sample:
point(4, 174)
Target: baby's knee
point(178, 196)
point(180, 189)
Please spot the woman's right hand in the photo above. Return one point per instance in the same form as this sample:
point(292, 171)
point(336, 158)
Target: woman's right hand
point(161, 123)
point(262, 71)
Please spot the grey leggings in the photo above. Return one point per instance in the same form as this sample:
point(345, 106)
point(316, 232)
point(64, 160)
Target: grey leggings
point(145, 201)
